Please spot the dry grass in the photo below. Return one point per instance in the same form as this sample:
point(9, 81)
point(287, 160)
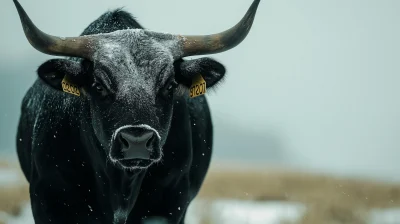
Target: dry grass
point(330, 200)
point(302, 187)
point(7, 164)
point(13, 197)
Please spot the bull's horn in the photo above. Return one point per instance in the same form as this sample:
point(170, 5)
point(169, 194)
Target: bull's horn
point(216, 43)
point(52, 45)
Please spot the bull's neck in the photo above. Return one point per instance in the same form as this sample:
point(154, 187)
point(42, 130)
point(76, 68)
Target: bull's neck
point(123, 187)
point(112, 183)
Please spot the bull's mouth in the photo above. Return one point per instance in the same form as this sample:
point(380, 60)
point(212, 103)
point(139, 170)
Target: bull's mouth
point(136, 163)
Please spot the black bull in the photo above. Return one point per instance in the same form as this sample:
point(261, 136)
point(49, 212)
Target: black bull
point(114, 133)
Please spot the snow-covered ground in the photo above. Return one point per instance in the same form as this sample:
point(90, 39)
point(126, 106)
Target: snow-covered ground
point(239, 212)
point(24, 218)
point(221, 211)
point(242, 212)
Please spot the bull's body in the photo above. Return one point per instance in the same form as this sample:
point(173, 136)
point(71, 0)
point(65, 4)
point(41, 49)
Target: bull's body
point(127, 144)
point(70, 182)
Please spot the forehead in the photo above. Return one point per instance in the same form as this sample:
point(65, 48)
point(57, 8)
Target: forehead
point(132, 63)
point(132, 46)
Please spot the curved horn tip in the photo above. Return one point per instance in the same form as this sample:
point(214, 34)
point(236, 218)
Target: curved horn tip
point(19, 7)
point(25, 20)
point(256, 3)
point(52, 45)
point(253, 8)
point(223, 41)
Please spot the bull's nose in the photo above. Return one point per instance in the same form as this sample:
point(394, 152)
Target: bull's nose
point(136, 146)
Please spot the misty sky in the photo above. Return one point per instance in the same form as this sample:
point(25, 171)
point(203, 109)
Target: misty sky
point(315, 84)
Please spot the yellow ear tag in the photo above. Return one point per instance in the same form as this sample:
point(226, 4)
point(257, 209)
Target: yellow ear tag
point(70, 88)
point(198, 86)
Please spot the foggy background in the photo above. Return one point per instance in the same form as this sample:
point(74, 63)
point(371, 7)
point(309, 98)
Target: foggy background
point(315, 84)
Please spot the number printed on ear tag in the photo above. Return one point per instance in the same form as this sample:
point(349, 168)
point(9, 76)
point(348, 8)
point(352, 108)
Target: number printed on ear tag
point(70, 88)
point(198, 86)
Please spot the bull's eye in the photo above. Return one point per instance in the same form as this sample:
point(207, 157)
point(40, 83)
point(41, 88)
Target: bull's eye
point(99, 89)
point(169, 88)
point(172, 85)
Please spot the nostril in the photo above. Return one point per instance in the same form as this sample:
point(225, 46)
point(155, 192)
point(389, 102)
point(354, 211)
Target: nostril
point(148, 143)
point(124, 142)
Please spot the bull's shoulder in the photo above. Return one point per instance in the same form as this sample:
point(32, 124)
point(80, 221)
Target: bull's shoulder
point(42, 99)
point(44, 125)
point(44, 109)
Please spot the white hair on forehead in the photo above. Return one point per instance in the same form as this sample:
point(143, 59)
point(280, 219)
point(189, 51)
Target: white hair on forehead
point(136, 59)
point(134, 38)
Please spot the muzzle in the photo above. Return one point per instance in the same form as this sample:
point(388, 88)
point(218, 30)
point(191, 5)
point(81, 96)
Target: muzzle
point(135, 145)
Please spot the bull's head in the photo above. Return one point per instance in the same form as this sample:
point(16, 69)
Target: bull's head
point(130, 77)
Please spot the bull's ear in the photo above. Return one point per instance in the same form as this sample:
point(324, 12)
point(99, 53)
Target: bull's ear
point(211, 70)
point(53, 71)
